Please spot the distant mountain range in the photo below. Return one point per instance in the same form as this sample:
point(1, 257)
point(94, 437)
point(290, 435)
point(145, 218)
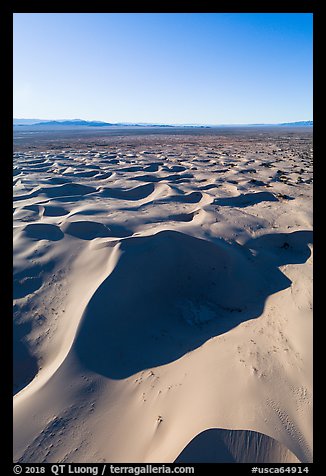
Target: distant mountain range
point(298, 124)
point(82, 123)
point(72, 122)
point(75, 122)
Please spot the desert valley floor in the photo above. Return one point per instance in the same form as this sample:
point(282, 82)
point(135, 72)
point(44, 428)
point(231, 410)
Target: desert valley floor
point(163, 296)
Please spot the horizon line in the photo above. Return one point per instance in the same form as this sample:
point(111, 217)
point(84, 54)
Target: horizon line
point(165, 123)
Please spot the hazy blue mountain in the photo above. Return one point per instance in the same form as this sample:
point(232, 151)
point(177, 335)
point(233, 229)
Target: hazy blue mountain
point(298, 124)
point(80, 122)
point(27, 122)
point(74, 122)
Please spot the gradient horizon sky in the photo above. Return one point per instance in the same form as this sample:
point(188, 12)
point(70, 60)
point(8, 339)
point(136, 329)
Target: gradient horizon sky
point(175, 68)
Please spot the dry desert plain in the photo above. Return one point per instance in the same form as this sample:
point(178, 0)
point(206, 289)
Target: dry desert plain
point(163, 296)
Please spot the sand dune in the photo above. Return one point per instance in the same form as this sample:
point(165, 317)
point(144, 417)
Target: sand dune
point(235, 446)
point(246, 199)
point(136, 193)
point(163, 300)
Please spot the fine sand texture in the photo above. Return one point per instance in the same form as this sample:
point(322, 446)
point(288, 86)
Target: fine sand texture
point(163, 297)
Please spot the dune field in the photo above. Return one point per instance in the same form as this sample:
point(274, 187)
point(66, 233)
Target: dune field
point(163, 297)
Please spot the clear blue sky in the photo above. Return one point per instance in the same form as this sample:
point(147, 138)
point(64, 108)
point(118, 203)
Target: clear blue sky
point(208, 68)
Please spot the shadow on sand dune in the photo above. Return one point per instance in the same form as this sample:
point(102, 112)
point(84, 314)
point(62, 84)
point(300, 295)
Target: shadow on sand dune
point(88, 230)
point(235, 446)
point(170, 292)
point(246, 199)
point(283, 248)
point(25, 364)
